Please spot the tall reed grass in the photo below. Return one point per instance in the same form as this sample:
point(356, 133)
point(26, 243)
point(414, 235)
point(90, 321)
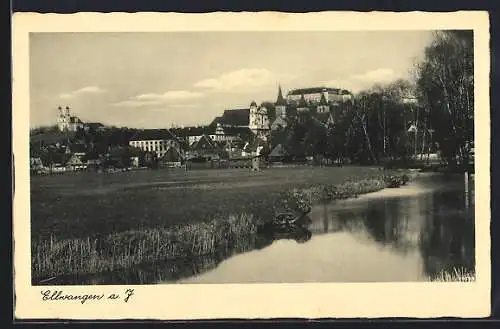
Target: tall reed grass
point(125, 249)
point(456, 274)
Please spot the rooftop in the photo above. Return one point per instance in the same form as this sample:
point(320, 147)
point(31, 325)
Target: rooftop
point(153, 134)
point(234, 117)
point(315, 90)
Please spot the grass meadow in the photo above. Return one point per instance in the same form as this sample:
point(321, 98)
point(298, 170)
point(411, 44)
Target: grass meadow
point(88, 222)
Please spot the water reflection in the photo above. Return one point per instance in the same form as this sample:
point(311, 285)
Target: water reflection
point(439, 225)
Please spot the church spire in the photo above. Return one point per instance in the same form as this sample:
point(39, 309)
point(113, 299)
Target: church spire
point(323, 100)
point(280, 100)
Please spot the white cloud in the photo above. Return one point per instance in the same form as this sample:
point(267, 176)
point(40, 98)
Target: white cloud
point(238, 79)
point(358, 82)
point(169, 97)
point(375, 76)
point(81, 91)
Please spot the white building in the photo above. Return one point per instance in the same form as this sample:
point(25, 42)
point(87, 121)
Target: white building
point(313, 95)
point(158, 141)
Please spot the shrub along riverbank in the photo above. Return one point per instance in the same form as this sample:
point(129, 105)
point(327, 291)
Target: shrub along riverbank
point(54, 256)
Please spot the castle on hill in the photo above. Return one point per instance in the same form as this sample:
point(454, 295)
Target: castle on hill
point(66, 121)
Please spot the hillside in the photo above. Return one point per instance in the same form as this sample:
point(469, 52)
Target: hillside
point(51, 137)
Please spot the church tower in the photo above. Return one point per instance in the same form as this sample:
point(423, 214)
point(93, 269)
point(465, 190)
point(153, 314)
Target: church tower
point(323, 106)
point(280, 105)
point(258, 120)
point(62, 118)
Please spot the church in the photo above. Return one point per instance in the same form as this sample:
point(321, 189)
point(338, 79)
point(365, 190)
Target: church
point(67, 122)
point(255, 118)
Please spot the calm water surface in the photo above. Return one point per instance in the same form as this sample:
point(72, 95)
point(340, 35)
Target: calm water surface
point(405, 234)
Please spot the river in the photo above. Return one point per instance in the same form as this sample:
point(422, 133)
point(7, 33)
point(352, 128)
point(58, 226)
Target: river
point(407, 234)
point(411, 233)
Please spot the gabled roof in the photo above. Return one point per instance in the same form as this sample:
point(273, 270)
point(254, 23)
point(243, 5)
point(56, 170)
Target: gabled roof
point(278, 151)
point(153, 134)
point(172, 155)
point(205, 143)
point(77, 158)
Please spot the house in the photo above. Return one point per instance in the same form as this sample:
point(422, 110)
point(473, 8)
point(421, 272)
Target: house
point(172, 158)
point(278, 154)
point(206, 148)
point(157, 141)
point(77, 162)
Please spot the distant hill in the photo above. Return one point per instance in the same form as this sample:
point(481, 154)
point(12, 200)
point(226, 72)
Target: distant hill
point(51, 137)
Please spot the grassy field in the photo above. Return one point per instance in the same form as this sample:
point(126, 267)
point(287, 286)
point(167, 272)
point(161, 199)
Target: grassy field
point(89, 222)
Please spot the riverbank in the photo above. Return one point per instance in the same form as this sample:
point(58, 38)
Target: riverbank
point(58, 256)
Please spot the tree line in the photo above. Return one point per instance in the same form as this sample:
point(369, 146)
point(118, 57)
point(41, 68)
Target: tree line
point(402, 119)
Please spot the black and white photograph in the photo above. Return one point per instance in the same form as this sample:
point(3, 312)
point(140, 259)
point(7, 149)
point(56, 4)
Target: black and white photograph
point(217, 157)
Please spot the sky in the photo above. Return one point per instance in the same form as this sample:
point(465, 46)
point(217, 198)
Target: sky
point(157, 79)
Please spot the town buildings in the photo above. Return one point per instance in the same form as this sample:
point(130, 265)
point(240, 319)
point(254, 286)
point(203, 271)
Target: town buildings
point(232, 135)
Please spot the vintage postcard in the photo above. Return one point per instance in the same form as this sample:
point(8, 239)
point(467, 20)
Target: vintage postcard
point(251, 165)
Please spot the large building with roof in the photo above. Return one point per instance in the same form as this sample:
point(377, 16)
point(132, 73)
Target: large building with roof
point(158, 141)
point(314, 95)
point(255, 118)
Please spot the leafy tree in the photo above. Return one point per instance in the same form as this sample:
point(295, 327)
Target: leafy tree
point(446, 88)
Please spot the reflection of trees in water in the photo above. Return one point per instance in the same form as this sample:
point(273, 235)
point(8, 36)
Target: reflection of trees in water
point(388, 222)
point(437, 225)
point(448, 239)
